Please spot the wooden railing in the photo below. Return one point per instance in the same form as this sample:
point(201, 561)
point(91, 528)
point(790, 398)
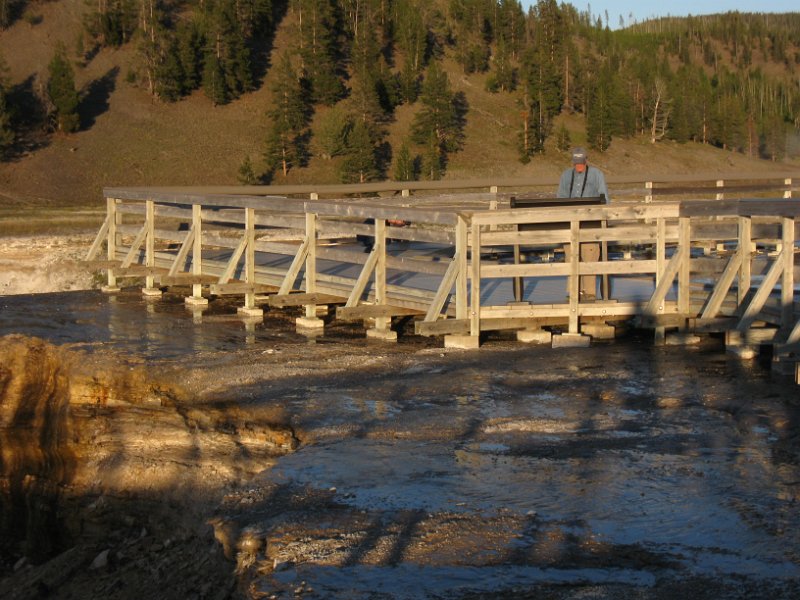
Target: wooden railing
point(635, 188)
point(699, 265)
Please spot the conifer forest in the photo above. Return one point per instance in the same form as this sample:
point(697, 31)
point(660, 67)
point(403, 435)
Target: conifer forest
point(729, 80)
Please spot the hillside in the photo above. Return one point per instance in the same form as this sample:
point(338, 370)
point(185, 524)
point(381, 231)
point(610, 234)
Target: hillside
point(130, 138)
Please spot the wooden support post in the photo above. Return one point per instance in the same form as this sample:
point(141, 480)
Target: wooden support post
point(466, 310)
point(720, 184)
point(113, 218)
point(196, 299)
point(684, 270)
point(787, 280)
point(573, 279)
point(462, 276)
point(787, 193)
point(310, 320)
point(150, 252)
point(746, 248)
point(605, 288)
point(475, 296)
point(648, 186)
point(661, 263)
point(249, 309)
point(382, 329)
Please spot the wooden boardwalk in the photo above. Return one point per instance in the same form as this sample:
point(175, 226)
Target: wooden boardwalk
point(678, 266)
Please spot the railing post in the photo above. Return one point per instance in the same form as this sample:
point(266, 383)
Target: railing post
point(249, 309)
point(382, 330)
point(150, 255)
point(573, 279)
point(462, 308)
point(648, 186)
point(746, 248)
point(475, 296)
point(787, 280)
point(684, 241)
point(310, 320)
point(468, 301)
point(661, 265)
point(196, 298)
point(720, 184)
point(111, 251)
point(787, 193)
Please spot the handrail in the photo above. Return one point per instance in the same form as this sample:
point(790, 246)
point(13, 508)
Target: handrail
point(493, 184)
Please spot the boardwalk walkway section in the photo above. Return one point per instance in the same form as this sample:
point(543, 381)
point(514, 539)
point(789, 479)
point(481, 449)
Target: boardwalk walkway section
point(447, 261)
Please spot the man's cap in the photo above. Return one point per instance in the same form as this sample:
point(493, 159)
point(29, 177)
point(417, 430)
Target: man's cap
point(578, 156)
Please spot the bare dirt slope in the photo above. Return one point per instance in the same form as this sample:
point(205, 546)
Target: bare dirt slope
point(127, 138)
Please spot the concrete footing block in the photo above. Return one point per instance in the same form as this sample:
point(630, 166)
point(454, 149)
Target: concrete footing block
point(745, 352)
point(571, 340)
point(109, 289)
point(309, 323)
point(682, 339)
point(196, 301)
point(384, 335)
point(534, 336)
point(462, 342)
point(598, 331)
point(249, 312)
point(152, 292)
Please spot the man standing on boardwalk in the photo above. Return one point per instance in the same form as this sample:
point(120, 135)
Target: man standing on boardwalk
point(583, 181)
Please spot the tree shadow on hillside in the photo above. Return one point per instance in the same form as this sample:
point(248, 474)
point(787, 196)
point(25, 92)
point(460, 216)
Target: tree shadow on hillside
point(12, 12)
point(95, 98)
point(261, 45)
point(28, 118)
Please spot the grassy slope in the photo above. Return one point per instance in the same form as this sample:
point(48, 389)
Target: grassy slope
point(137, 141)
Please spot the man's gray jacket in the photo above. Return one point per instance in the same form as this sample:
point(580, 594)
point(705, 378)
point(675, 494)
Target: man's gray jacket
point(589, 184)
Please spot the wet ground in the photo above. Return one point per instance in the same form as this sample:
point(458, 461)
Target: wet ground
point(624, 470)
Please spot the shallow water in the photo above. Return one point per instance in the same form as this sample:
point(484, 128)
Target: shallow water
point(623, 463)
point(154, 330)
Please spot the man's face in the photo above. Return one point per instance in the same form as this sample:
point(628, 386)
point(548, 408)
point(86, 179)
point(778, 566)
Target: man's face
point(580, 167)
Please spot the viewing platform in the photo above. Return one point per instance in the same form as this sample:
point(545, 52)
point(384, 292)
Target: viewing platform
point(682, 257)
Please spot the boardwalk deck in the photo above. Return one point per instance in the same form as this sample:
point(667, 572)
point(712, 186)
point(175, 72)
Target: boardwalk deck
point(448, 261)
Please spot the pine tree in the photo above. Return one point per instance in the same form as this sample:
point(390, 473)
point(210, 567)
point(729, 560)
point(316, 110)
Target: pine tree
point(227, 51)
point(113, 22)
point(563, 139)
point(280, 150)
point(600, 117)
point(318, 38)
point(246, 174)
point(412, 40)
point(774, 134)
point(5, 13)
point(289, 114)
point(438, 117)
point(503, 79)
point(331, 133)
point(432, 160)
point(61, 91)
point(473, 33)
point(214, 80)
point(190, 42)
point(360, 163)
point(169, 76)
point(404, 165)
